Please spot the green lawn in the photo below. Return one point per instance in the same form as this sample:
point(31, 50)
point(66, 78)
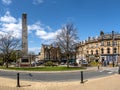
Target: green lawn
point(43, 68)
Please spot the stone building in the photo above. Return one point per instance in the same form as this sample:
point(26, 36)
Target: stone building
point(53, 53)
point(104, 48)
point(50, 52)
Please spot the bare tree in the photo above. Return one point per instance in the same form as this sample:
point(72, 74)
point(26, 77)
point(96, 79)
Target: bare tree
point(8, 44)
point(67, 39)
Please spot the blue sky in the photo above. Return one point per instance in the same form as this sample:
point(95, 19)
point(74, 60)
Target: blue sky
point(45, 18)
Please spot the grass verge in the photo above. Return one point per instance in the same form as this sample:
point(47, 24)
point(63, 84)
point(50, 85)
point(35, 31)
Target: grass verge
point(43, 68)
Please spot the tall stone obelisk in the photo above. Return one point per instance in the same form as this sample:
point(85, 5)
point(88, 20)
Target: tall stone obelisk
point(24, 35)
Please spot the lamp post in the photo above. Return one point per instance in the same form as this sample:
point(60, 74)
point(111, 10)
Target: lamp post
point(118, 54)
point(113, 48)
point(49, 53)
point(102, 44)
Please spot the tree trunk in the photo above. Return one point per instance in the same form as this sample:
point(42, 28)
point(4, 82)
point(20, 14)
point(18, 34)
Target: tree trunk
point(6, 63)
point(67, 61)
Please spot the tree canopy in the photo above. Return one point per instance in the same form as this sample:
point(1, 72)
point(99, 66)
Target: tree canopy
point(8, 44)
point(67, 39)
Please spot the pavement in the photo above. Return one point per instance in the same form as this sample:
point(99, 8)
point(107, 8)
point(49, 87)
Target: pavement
point(104, 83)
point(102, 68)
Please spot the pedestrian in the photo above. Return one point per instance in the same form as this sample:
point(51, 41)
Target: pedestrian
point(98, 66)
point(113, 64)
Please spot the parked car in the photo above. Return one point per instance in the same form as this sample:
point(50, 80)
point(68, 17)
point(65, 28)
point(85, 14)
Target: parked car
point(62, 63)
point(73, 64)
point(37, 63)
point(84, 63)
point(40, 62)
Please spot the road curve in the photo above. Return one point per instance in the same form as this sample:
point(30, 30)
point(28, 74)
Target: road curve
point(50, 77)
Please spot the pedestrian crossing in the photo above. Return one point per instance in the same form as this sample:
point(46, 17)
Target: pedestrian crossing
point(109, 70)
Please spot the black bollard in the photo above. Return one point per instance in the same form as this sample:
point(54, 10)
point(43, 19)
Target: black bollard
point(82, 77)
point(18, 80)
point(119, 70)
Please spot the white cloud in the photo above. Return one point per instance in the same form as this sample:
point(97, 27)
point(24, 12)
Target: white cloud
point(42, 31)
point(31, 41)
point(34, 49)
point(49, 28)
point(7, 18)
point(7, 2)
point(35, 26)
point(44, 35)
point(9, 23)
point(36, 2)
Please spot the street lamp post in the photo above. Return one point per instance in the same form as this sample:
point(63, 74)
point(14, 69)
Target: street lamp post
point(102, 43)
point(49, 53)
point(113, 48)
point(118, 54)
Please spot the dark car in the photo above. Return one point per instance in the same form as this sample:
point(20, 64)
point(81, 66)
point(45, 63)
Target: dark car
point(40, 62)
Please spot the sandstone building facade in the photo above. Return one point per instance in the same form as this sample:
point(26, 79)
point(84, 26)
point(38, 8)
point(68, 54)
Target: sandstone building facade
point(104, 48)
point(49, 52)
point(53, 53)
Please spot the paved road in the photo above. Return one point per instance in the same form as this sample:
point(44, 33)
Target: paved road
point(64, 76)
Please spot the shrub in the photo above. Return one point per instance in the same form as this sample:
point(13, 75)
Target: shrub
point(94, 63)
point(50, 63)
point(75, 64)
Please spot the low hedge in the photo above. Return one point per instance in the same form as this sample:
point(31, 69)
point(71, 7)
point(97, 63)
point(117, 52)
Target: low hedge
point(50, 63)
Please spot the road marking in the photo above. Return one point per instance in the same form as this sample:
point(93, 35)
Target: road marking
point(110, 72)
point(101, 71)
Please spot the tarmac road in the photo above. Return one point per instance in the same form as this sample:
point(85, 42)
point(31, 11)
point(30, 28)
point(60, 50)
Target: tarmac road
point(62, 76)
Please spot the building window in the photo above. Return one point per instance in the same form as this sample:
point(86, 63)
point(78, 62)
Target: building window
point(96, 45)
point(92, 46)
point(108, 50)
point(87, 52)
point(115, 50)
point(92, 52)
point(97, 52)
point(114, 43)
point(102, 51)
point(102, 43)
point(108, 43)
